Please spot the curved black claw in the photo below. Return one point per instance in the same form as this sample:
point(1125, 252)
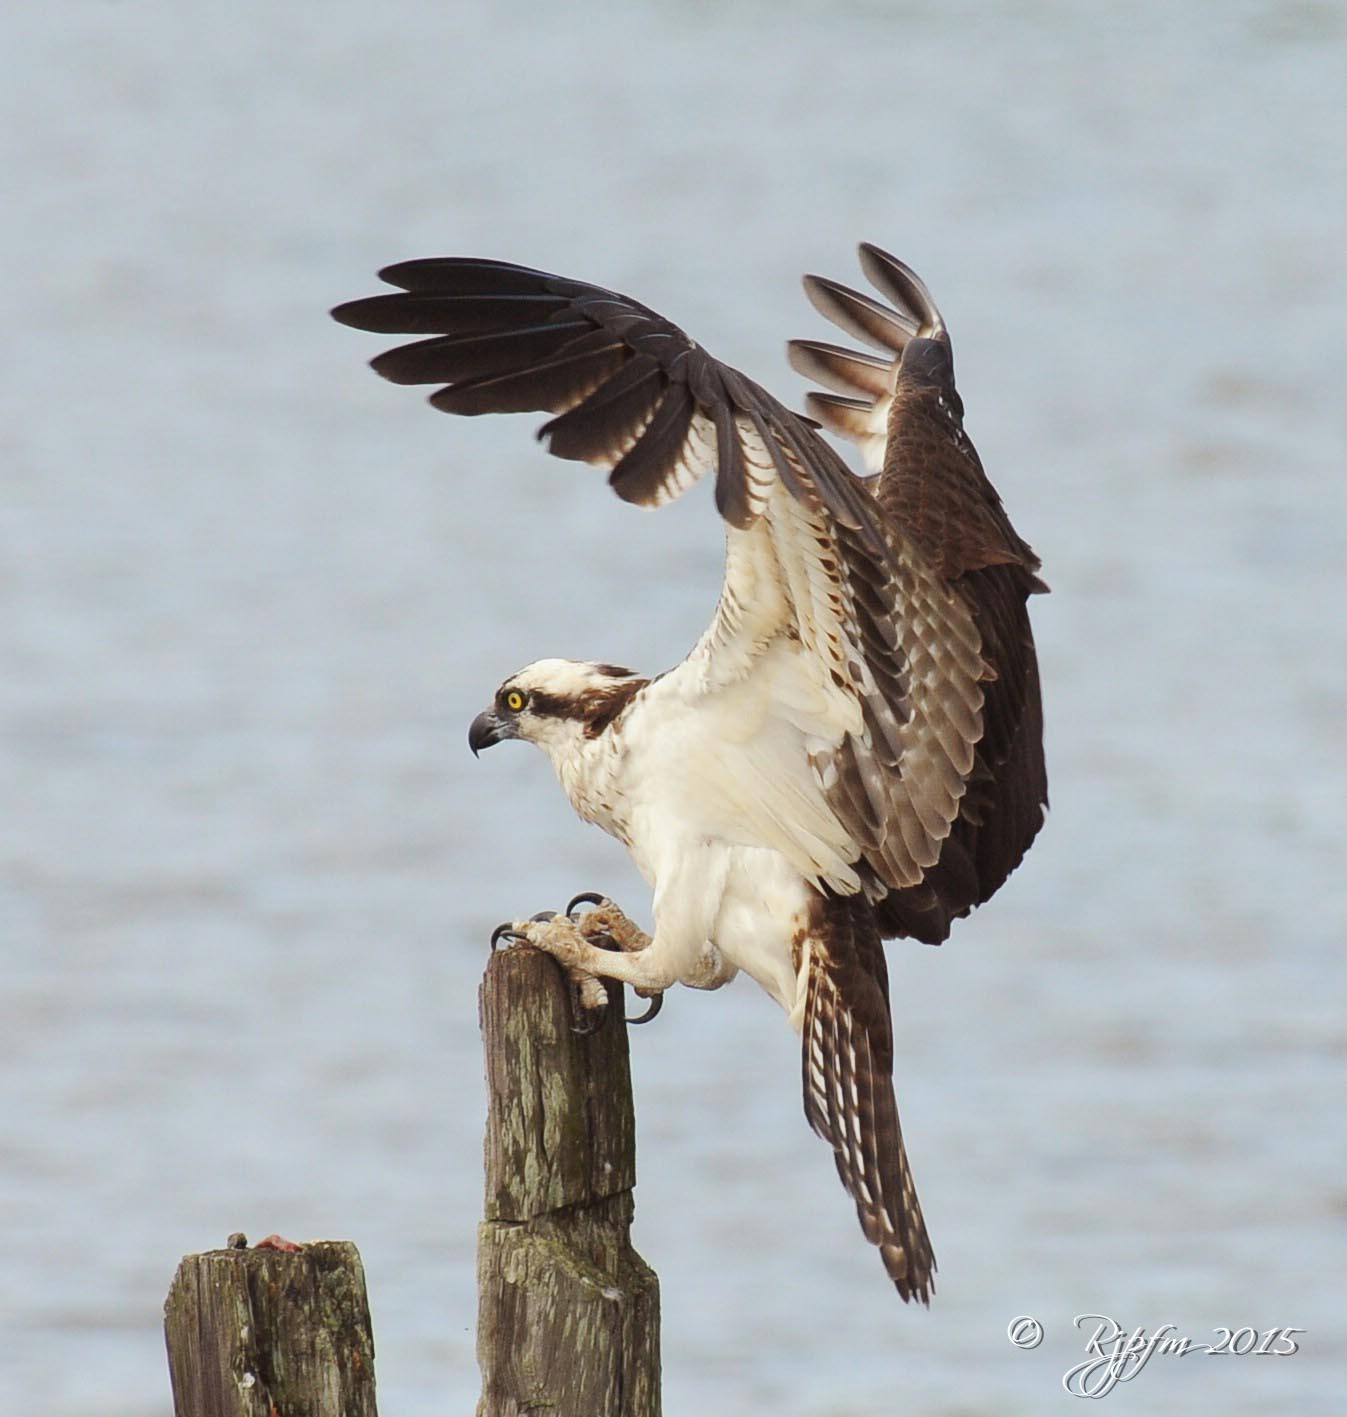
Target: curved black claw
point(506, 931)
point(585, 898)
point(656, 1004)
point(586, 1021)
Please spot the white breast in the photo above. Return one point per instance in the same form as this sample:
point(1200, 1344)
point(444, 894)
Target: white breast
point(718, 805)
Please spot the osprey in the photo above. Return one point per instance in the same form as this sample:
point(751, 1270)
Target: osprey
point(853, 749)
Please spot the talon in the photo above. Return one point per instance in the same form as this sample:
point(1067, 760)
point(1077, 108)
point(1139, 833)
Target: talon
point(601, 938)
point(587, 1021)
point(585, 898)
point(589, 1002)
point(507, 931)
point(656, 1004)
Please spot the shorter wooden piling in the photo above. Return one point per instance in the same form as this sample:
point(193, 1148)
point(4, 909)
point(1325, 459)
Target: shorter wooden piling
point(262, 1332)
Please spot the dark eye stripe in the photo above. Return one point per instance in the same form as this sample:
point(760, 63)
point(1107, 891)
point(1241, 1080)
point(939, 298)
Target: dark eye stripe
point(595, 708)
point(553, 706)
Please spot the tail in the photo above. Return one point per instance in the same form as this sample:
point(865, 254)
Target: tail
point(848, 1086)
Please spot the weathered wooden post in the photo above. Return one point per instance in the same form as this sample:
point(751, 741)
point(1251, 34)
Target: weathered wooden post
point(268, 1331)
point(568, 1312)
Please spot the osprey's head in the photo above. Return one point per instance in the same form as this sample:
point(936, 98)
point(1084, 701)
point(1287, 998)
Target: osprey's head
point(557, 704)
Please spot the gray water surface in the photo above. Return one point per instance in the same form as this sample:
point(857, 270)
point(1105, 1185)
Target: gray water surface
point(251, 596)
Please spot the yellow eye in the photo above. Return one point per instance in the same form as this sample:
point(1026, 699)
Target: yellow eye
point(514, 701)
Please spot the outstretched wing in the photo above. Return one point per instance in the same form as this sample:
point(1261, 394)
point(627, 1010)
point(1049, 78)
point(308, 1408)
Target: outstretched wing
point(631, 391)
point(846, 624)
point(902, 408)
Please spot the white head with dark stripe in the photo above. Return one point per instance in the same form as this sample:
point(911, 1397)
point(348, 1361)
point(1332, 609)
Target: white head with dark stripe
point(559, 704)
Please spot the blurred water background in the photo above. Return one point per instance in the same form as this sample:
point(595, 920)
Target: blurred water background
point(251, 596)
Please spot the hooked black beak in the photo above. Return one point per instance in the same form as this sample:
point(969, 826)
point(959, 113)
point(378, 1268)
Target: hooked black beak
point(488, 728)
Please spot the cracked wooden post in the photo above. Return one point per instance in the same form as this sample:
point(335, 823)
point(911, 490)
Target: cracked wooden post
point(254, 1333)
point(568, 1312)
